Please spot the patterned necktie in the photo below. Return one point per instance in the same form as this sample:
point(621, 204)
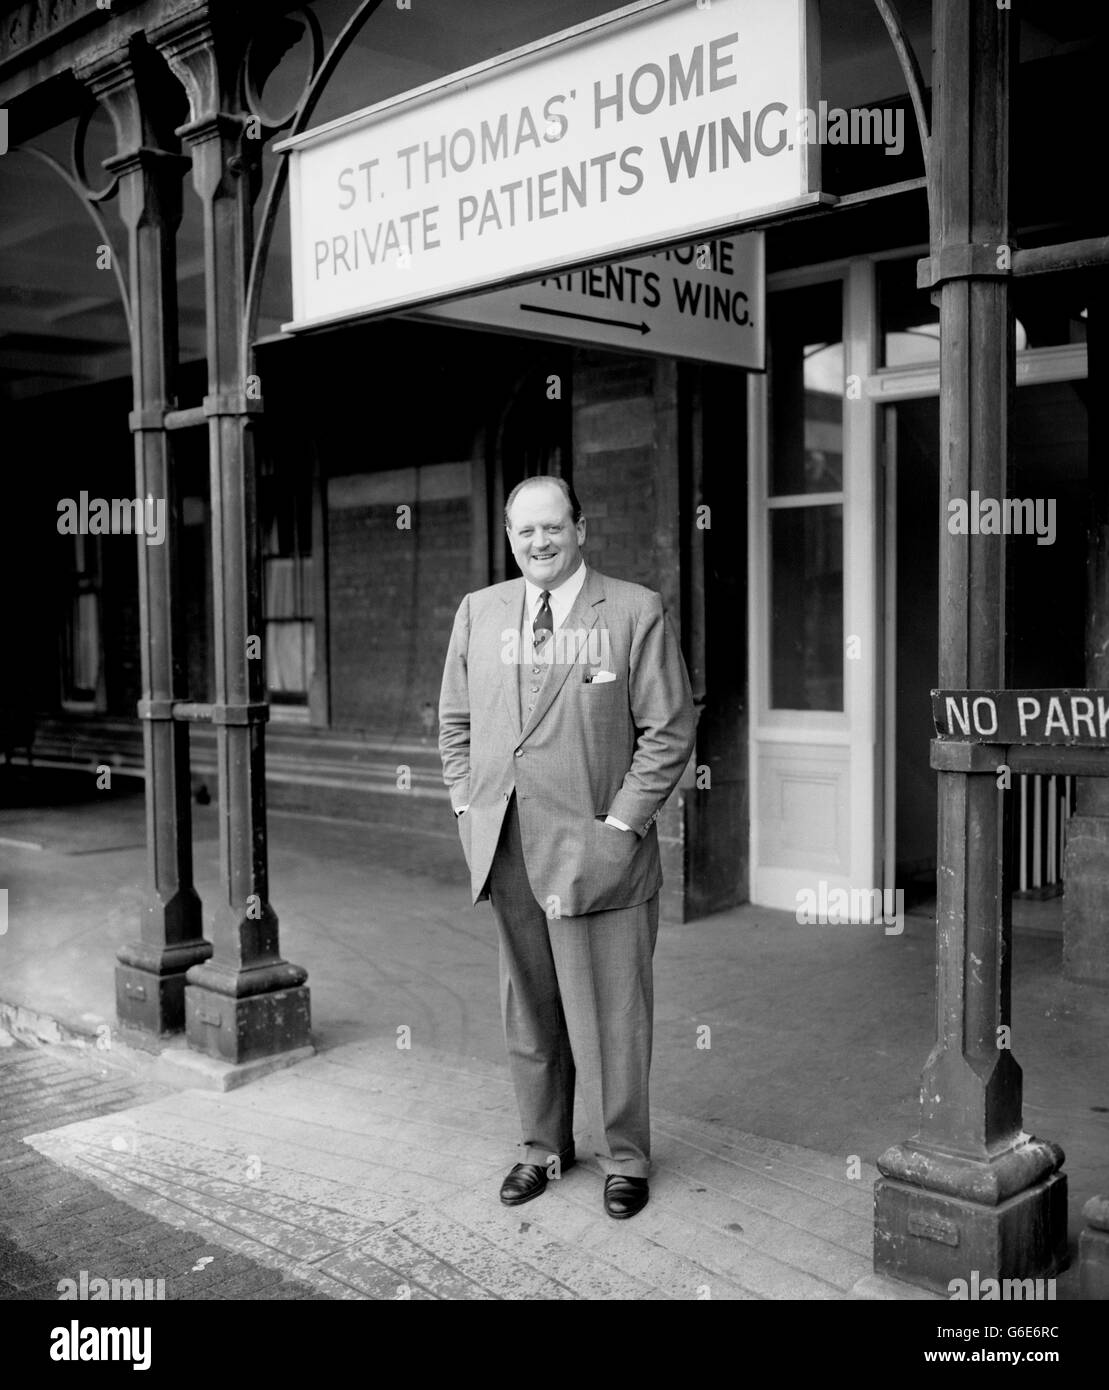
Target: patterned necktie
point(543, 625)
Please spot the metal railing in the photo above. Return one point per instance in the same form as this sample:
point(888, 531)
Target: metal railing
point(1045, 803)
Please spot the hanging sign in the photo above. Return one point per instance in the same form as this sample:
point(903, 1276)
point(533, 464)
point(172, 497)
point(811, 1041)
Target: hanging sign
point(703, 301)
point(657, 125)
point(1022, 716)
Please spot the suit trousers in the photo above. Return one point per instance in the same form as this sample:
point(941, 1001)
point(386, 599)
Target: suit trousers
point(577, 999)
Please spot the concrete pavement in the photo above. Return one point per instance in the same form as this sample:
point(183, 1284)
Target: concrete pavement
point(371, 1171)
point(58, 1225)
point(816, 1037)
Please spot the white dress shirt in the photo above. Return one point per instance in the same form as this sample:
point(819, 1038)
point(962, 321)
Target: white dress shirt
point(562, 600)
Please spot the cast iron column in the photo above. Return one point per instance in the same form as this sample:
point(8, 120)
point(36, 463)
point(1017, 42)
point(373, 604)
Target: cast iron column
point(1086, 863)
point(1086, 860)
point(971, 1191)
point(150, 978)
point(246, 1002)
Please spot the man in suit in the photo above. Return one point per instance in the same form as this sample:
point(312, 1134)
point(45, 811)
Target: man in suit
point(565, 722)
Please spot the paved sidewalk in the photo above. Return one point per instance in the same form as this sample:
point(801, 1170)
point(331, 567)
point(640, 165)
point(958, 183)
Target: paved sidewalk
point(372, 1172)
point(817, 1039)
point(56, 1223)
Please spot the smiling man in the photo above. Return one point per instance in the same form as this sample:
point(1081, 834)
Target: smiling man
point(558, 764)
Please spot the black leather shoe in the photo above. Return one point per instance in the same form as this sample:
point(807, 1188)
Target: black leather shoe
point(526, 1180)
point(625, 1196)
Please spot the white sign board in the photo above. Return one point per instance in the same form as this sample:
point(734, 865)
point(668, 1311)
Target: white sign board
point(664, 122)
point(703, 301)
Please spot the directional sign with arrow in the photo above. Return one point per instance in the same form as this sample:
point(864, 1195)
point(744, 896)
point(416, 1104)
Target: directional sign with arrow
point(585, 318)
point(704, 302)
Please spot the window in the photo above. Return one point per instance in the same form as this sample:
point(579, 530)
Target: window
point(806, 596)
point(1050, 311)
point(288, 583)
point(82, 665)
point(806, 497)
point(910, 322)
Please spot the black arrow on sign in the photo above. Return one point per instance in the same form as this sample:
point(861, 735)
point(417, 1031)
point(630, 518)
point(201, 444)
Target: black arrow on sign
point(589, 318)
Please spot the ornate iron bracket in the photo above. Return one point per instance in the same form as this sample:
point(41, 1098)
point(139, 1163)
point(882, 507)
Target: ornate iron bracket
point(322, 69)
point(915, 81)
point(75, 180)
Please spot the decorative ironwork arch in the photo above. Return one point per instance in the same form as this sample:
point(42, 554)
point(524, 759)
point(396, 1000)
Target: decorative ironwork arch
point(75, 179)
point(322, 69)
point(910, 67)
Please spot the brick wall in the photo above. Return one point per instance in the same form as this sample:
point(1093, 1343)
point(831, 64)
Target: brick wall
point(626, 475)
point(616, 461)
point(394, 592)
point(635, 435)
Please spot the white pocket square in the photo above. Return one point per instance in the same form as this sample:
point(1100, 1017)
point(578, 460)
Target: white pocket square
point(601, 676)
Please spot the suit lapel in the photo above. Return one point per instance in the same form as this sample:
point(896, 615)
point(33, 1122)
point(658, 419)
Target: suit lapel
point(514, 619)
point(582, 616)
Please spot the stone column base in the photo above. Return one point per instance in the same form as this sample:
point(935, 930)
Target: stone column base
point(242, 1029)
point(930, 1238)
point(153, 1003)
point(150, 985)
point(1093, 1250)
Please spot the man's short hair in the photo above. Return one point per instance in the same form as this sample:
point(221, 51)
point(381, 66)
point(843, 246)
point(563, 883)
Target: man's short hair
point(563, 486)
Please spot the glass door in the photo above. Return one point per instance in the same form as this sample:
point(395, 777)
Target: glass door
point(815, 638)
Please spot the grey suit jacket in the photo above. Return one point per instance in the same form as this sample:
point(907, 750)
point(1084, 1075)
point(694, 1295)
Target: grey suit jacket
point(588, 750)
